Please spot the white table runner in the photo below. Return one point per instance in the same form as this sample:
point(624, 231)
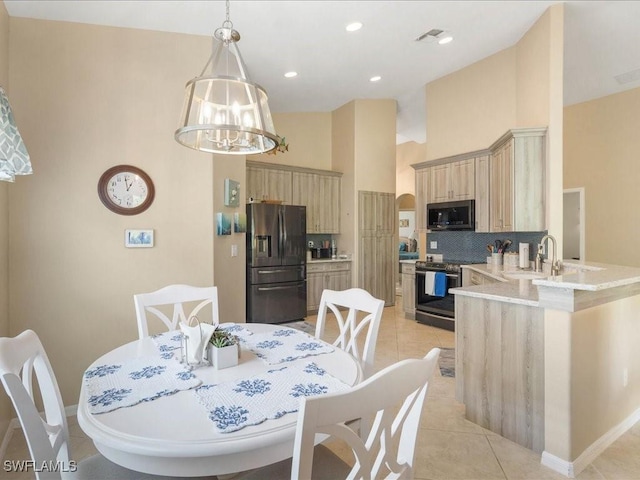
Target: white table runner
point(236, 404)
point(284, 345)
point(143, 379)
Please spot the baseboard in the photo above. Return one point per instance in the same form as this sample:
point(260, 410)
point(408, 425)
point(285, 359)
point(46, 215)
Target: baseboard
point(571, 469)
point(14, 424)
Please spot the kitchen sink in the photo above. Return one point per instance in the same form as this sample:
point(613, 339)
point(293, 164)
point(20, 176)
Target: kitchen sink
point(530, 275)
point(524, 275)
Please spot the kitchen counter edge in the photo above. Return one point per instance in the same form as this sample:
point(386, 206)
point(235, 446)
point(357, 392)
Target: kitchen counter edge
point(563, 292)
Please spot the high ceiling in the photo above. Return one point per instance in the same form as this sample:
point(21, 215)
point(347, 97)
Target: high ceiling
point(334, 66)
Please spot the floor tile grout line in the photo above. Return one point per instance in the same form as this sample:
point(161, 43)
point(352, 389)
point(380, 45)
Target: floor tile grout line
point(496, 456)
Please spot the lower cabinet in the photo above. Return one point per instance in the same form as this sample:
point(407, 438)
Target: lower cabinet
point(409, 290)
point(334, 275)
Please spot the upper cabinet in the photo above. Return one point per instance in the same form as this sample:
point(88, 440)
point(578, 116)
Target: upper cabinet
point(318, 190)
point(453, 181)
point(482, 193)
point(507, 182)
point(268, 184)
point(423, 196)
point(517, 181)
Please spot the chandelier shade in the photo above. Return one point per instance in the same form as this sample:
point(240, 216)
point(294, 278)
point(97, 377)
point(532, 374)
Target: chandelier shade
point(14, 158)
point(224, 111)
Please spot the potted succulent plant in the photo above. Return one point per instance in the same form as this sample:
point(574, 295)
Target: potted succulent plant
point(224, 349)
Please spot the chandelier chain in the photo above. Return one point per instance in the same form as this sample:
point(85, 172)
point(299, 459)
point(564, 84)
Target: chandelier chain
point(228, 23)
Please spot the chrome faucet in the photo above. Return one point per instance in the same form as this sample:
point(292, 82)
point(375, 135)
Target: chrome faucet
point(555, 264)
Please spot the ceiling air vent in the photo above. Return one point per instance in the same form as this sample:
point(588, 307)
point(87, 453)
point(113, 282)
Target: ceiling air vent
point(628, 77)
point(431, 35)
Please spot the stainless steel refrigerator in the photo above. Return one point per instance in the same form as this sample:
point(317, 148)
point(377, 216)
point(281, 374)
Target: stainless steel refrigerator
point(276, 263)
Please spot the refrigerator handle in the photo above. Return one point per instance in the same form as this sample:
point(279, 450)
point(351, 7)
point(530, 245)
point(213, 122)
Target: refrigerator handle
point(283, 232)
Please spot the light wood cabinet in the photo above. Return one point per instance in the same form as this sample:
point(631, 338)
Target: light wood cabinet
point(334, 275)
point(453, 181)
point(378, 253)
point(268, 184)
point(321, 195)
point(482, 193)
point(318, 190)
point(423, 196)
point(409, 290)
point(517, 181)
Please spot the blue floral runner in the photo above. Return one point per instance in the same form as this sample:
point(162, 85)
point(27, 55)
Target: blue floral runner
point(143, 379)
point(284, 345)
point(236, 404)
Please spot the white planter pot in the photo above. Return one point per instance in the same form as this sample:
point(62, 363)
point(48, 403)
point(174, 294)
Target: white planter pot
point(224, 357)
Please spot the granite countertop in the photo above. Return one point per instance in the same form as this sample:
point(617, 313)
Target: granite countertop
point(328, 260)
point(583, 276)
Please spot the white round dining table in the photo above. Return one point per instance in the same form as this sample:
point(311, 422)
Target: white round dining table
point(173, 436)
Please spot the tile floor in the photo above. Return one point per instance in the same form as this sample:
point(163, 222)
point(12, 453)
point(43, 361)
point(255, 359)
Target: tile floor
point(449, 447)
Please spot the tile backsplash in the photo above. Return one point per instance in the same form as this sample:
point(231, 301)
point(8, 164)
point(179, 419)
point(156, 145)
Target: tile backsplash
point(472, 247)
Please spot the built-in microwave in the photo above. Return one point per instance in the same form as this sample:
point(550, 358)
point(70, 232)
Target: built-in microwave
point(459, 215)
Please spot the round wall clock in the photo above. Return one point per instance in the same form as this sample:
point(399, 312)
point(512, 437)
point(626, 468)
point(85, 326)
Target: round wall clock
point(126, 190)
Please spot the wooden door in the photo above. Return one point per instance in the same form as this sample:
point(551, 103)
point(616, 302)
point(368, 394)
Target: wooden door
point(440, 183)
point(496, 194)
point(278, 185)
point(463, 180)
point(255, 184)
point(482, 193)
point(423, 189)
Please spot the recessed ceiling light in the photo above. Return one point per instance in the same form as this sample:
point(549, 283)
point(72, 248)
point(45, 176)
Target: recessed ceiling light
point(445, 40)
point(377, 78)
point(291, 74)
point(352, 27)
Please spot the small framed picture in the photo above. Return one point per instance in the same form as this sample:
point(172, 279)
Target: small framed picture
point(239, 222)
point(223, 224)
point(138, 238)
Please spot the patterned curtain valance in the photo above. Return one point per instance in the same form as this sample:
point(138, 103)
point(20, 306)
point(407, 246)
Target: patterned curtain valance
point(14, 158)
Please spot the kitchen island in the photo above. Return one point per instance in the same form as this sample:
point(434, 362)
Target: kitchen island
point(551, 362)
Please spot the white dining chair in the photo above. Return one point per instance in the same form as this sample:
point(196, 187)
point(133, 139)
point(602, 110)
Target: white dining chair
point(357, 336)
point(175, 297)
point(394, 396)
point(47, 434)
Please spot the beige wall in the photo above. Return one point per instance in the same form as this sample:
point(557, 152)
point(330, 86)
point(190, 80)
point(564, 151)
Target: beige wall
point(470, 109)
point(408, 154)
point(309, 139)
point(539, 100)
point(93, 97)
point(363, 148)
point(228, 271)
point(601, 142)
point(5, 411)
point(342, 154)
point(586, 354)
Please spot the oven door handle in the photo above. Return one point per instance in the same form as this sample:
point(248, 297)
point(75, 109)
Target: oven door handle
point(451, 275)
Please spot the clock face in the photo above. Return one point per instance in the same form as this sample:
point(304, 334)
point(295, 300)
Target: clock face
point(126, 190)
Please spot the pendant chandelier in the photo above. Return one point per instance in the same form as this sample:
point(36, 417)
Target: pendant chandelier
point(224, 111)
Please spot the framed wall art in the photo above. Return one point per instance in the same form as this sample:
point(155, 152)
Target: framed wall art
point(239, 222)
point(223, 224)
point(139, 238)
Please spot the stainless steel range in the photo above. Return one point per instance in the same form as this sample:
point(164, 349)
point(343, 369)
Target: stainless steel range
point(438, 311)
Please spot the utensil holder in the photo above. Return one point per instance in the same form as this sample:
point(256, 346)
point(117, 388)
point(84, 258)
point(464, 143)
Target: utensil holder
point(496, 259)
